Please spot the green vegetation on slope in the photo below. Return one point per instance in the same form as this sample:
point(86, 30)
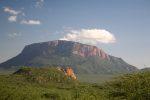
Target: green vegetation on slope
point(44, 75)
point(81, 65)
point(52, 84)
point(44, 84)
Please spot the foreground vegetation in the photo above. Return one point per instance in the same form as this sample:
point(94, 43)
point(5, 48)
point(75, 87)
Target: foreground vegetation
point(130, 87)
point(52, 84)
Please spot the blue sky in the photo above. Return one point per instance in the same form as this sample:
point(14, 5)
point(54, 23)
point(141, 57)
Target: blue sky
point(127, 22)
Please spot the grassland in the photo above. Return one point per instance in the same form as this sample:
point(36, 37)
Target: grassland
point(51, 84)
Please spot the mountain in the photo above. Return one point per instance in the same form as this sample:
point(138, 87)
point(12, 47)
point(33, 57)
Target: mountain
point(82, 58)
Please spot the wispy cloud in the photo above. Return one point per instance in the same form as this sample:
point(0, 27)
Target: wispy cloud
point(13, 14)
point(31, 22)
point(39, 3)
point(13, 35)
point(12, 18)
point(90, 36)
point(11, 11)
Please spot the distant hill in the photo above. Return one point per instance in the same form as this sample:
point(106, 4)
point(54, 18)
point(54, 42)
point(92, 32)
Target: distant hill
point(84, 59)
point(145, 69)
point(44, 75)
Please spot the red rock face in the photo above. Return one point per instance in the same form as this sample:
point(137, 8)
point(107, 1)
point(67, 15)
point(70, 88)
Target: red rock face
point(68, 71)
point(60, 46)
point(87, 51)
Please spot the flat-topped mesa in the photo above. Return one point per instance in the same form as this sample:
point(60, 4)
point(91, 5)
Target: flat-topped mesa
point(83, 58)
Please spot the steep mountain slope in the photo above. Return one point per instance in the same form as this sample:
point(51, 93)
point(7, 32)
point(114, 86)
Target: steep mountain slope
point(81, 57)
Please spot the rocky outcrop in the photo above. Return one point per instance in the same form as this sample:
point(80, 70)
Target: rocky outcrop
point(68, 71)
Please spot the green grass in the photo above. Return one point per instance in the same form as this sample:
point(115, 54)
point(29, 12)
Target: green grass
point(94, 78)
point(51, 84)
point(6, 72)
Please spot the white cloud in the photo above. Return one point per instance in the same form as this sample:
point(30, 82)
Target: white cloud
point(31, 22)
point(11, 11)
point(39, 3)
point(13, 14)
point(90, 36)
point(12, 18)
point(13, 35)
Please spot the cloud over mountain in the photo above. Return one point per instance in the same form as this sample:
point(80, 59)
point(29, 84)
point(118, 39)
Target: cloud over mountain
point(90, 36)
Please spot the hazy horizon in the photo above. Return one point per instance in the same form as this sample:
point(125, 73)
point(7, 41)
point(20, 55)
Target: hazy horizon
point(120, 28)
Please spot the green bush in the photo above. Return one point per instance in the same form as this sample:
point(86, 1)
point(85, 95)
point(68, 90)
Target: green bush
point(130, 87)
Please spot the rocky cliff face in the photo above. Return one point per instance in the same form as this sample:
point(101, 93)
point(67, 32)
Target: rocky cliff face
point(88, 50)
point(66, 48)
